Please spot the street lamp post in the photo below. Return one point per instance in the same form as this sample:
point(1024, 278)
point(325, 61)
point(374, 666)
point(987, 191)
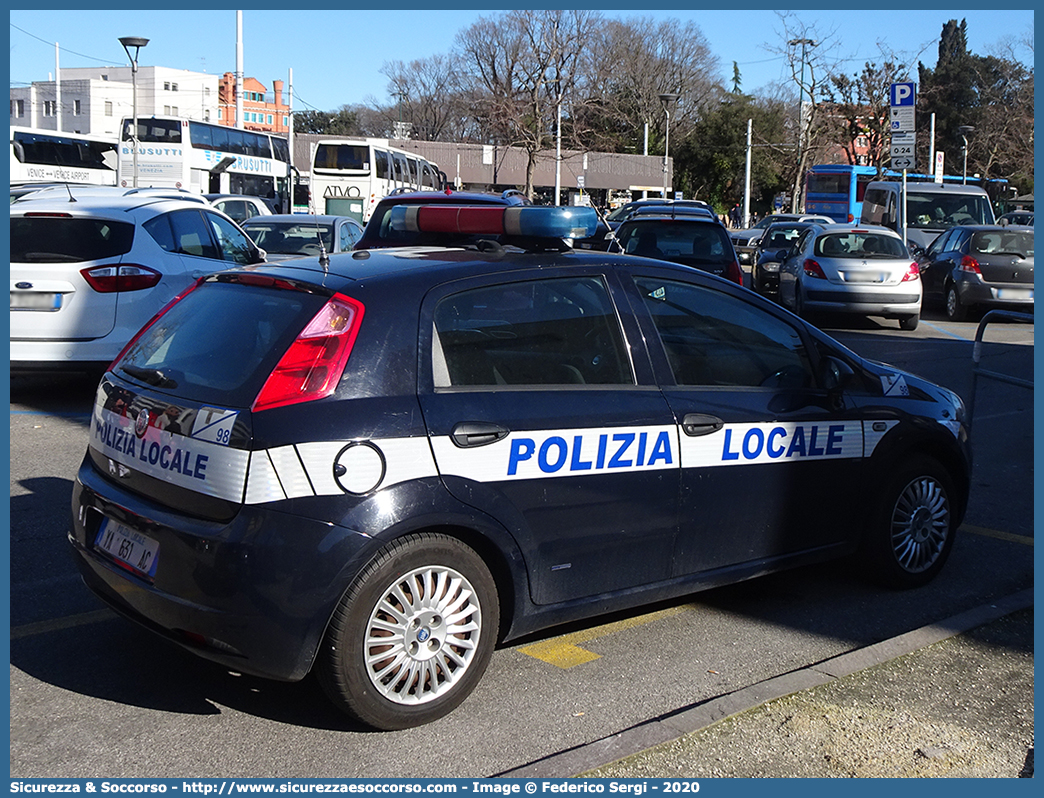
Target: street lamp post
point(667, 98)
point(135, 42)
point(964, 131)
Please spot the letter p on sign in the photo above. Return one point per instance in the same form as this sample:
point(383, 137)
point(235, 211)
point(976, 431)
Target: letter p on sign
point(902, 94)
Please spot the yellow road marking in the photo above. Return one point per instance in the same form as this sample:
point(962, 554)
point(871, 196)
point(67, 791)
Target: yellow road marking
point(57, 624)
point(565, 652)
point(994, 533)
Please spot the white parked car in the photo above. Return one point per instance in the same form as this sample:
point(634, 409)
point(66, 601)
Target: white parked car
point(86, 275)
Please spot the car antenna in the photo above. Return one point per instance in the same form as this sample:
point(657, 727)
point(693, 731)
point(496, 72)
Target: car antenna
point(324, 258)
point(69, 189)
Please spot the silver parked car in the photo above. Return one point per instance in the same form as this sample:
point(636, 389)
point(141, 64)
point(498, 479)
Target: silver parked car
point(298, 235)
point(864, 270)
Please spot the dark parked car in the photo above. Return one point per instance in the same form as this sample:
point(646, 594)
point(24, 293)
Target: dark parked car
point(689, 236)
point(983, 266)
point(381, 466)
point(770, 251)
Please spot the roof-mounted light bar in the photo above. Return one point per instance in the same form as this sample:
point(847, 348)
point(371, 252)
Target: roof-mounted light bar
point(530, 221)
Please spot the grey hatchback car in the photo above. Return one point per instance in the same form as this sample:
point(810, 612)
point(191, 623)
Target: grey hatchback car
point(980, 266)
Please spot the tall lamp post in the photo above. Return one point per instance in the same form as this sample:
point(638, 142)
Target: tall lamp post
point(135, 43)
point(964, 131)
point(667, 98)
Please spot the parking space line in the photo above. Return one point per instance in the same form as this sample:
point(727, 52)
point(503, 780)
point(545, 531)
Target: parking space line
point(565, 651)
point(995, 533)
point(58, 624)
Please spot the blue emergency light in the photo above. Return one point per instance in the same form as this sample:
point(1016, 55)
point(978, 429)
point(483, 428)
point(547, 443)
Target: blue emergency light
point(530, 221)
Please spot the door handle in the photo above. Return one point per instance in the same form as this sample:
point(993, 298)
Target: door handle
point(469, 434)
point(696, 424)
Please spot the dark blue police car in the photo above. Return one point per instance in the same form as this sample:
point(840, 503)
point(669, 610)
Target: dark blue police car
point(379, 465)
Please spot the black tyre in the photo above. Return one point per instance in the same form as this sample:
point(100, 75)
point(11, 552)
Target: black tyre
point(909, 323)
point(912, 529)
point(413, 635)
point(955, 309)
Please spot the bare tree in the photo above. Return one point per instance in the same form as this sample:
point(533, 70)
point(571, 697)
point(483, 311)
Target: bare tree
point(810, 56)
point(517, 68)
point(859, 108)
point(426, 96)
point(629, 64)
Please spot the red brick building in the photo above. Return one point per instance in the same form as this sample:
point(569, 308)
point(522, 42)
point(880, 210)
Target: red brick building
point(262, 111)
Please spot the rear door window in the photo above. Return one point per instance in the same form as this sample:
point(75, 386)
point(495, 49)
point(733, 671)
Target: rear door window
point(184, 232)
point(561, 331)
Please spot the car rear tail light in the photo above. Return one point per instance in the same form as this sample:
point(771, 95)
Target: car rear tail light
point(970, 265)
point(813, 269)
point(118, 278)
point(312, 366)
point(851, 218)
point(734, 272)
point(912, 273)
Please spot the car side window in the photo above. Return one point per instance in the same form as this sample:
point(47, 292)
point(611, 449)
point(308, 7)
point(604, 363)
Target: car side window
point(715, 339)
point(348, 237)
point(183, 232)
point(234, 245)
point(941, 244)
point(558, 331)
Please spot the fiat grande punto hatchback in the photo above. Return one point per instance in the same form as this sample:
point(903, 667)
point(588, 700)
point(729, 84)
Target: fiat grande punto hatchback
point(380, 465)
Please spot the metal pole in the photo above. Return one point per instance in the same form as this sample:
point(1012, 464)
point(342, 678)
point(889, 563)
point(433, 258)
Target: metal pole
point(137, 43)
point(666, 147)
point(746, 179)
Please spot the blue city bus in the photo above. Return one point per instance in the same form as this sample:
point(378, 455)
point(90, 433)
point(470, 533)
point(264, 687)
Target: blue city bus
point(836, 190)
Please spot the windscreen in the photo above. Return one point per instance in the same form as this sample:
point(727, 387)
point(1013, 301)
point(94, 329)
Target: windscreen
point(350, 157)
point(937, 210)
point(220, 342)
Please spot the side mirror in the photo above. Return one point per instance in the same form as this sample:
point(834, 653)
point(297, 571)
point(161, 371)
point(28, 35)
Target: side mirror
point(834, 374)
point(260, 256)
point(916, 251)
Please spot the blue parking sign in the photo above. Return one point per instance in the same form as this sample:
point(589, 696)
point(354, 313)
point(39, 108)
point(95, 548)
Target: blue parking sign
point(903, 94)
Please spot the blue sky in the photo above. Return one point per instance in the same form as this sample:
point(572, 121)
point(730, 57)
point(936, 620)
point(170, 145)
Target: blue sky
point(341, 63)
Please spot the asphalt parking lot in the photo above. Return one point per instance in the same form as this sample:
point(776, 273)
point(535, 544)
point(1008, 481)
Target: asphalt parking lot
point(92, 695)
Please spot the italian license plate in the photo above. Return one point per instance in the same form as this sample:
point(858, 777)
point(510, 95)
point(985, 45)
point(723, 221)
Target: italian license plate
point(137, 552)
point(35, 300)
point(1015, 293)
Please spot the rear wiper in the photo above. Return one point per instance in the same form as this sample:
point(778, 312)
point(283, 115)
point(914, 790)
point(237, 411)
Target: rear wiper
point(151, 376)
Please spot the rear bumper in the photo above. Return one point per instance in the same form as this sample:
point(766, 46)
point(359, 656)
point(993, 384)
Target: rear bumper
point(867, 303)
point(254, 594)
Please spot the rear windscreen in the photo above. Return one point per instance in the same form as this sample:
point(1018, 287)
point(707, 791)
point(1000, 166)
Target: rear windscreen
point(61, 239)
point(221, 342)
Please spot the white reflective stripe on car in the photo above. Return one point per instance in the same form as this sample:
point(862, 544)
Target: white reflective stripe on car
point(199, 465)
point(331, 468)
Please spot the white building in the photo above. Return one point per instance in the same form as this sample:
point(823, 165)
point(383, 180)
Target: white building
point(94, 100)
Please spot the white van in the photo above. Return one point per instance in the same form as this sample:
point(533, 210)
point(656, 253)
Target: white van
point(931, 208)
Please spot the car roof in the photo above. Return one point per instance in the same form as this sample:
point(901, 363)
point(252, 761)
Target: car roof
point(848, 227)
point(297, 218)
point(98, 204)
